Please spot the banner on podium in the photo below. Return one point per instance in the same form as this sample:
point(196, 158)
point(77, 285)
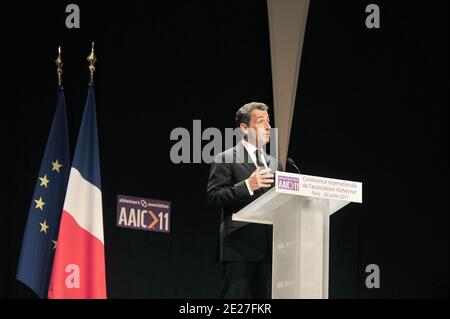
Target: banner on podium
point(319, 187)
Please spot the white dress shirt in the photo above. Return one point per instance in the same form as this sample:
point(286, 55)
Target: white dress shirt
point(251, 150)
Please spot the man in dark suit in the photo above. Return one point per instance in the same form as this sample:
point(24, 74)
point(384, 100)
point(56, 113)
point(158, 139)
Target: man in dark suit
point(238, 176)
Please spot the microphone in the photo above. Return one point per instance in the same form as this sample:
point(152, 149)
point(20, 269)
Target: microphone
point(291, 162)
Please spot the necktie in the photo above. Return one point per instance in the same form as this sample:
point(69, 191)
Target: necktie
point(259, 161)
point(259, 155)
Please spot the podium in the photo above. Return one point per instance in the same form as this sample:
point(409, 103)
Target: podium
point(299, 208)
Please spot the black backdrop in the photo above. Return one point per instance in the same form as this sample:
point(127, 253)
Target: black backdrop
point(372, 106)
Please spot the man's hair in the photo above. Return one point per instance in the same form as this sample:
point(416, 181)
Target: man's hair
point(244, 113)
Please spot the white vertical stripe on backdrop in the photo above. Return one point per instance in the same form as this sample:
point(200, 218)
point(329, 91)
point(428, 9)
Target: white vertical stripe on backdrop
point(287, 24)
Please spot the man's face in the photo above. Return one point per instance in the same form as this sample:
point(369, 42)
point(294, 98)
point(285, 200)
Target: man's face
point(259, 128)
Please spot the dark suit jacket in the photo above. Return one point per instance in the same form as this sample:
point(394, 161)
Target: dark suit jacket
point(239, 241)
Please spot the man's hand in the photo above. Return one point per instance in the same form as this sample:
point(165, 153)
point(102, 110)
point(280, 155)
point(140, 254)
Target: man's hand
point(260, 179)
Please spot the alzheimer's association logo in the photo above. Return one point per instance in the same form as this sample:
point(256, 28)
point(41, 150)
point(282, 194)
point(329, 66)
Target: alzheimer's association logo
point(143, 213)
point(288, 183)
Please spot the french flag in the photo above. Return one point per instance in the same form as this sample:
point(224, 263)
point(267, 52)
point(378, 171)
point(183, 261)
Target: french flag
point(79, 264)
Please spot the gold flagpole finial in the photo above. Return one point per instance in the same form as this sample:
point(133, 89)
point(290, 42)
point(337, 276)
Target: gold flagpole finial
point(92, 59)
point(59, 64)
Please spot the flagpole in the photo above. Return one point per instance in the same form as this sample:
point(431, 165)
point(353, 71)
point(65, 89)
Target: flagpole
point(59, 64)
point(92, 59)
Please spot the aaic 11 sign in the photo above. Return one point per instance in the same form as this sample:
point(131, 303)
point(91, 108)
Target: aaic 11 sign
point(143, 213)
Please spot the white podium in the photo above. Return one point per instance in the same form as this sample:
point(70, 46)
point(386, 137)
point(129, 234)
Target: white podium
point(299, 208)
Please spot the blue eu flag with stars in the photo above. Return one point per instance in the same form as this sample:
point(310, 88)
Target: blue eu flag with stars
point(41, 231)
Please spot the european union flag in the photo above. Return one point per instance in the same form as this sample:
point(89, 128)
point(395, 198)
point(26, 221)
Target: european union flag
point(41, 231)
